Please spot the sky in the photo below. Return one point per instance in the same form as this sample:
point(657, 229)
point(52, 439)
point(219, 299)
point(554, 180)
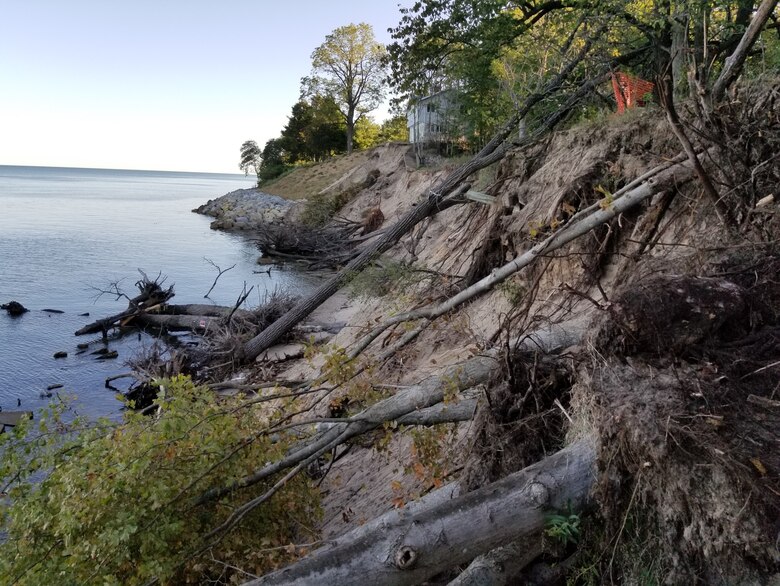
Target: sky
point(159, 84)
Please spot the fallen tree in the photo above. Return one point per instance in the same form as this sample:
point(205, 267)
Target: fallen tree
point(656, 180)
point(403, 548)
point(151, 295)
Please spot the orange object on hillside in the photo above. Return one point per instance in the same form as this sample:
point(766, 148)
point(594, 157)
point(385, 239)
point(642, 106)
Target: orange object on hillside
point(630, 91)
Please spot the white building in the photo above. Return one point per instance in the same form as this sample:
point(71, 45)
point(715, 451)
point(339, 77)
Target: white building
point(431, 119)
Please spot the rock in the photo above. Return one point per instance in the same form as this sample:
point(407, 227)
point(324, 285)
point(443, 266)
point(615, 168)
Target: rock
point(61, 354)
point(12, 418)
point(281, 353)
point(14, 308)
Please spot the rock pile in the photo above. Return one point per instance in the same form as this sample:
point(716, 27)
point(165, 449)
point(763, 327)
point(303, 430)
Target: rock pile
point(244, 209)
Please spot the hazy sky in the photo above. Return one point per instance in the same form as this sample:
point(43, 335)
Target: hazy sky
point(158, 84)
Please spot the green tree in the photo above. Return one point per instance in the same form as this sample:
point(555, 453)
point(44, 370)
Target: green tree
point(366, 133)
point(273, 163)
point(441, 44)
point(326, 135)
point(250, 157)
point(394, 129)
point(349, 67)
point(314, 130)
point(295, 134)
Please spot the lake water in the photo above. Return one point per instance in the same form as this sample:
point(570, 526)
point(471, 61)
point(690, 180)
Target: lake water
point(65, 233)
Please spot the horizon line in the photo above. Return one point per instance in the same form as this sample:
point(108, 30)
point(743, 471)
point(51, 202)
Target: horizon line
point(120, 169)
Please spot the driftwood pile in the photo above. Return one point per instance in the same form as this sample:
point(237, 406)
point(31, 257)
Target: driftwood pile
point(150, 309)
point(329, 246)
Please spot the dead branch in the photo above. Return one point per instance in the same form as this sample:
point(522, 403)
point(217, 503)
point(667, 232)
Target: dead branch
point(151, 295)
point(219, 270)
point(666, 92)
point(329, 246)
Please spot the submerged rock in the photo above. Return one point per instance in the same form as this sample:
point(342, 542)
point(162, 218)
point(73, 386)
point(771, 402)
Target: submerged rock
point(14, 308)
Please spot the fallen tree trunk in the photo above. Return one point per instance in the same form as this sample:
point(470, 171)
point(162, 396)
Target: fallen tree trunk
point(425, 394)
point(202, 309)
point(429, 393)
point(402, 548)
point(192, 323)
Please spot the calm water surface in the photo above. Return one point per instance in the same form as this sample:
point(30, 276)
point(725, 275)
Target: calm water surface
point(64, 233)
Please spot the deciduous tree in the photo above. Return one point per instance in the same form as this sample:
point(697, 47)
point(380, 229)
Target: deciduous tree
point(348, 67)
point(250, 157)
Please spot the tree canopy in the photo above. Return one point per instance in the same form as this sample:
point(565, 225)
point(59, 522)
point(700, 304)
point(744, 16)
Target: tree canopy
point(250, 157)
point(496, 52)
point(349, 68)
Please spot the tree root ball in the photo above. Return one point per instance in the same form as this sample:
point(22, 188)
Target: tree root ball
point(670, 313)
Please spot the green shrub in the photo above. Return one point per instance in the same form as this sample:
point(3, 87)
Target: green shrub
point(115, 503)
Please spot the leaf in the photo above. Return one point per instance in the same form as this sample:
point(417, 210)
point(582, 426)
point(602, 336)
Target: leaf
point(759, 466)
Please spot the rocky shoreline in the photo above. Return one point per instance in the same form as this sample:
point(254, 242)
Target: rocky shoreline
point(244, 209)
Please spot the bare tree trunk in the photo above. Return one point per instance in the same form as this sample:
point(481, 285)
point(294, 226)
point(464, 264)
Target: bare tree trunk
point(205, 310)
point(735, 62)
point(403, 548)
